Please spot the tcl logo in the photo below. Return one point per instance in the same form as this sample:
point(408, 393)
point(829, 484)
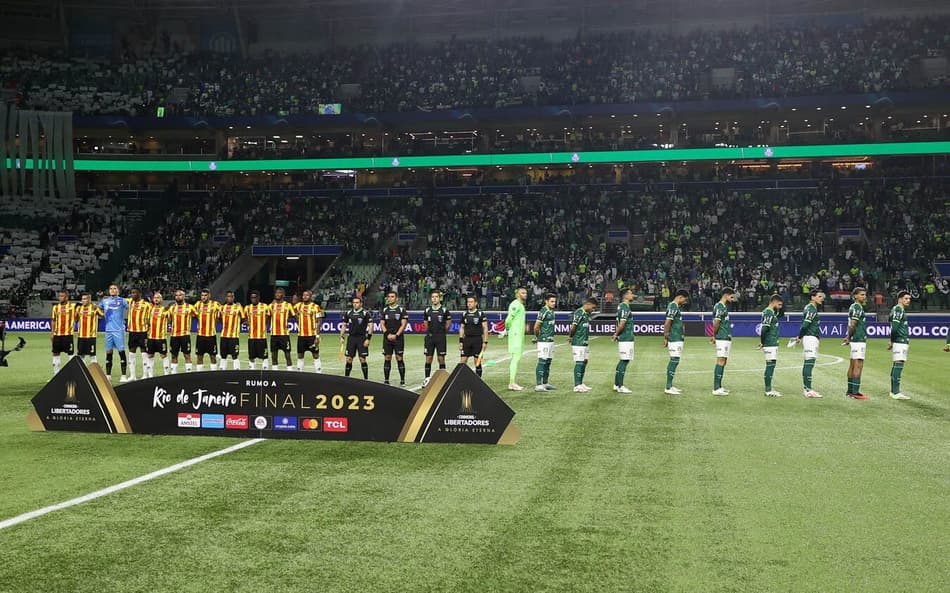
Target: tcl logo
point(234, 422)
point(336, 424)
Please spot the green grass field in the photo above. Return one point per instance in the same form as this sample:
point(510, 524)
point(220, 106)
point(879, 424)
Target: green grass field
point(605, 492)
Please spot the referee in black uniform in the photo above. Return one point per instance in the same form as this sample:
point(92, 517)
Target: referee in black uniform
point(394, 319)
point(473, 333)
point(358, 323)
point(438, 321)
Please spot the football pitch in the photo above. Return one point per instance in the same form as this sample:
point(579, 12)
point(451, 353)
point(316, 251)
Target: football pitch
point(605, 492)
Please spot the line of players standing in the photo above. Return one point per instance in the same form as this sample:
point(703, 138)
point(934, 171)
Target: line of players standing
point(164, 332)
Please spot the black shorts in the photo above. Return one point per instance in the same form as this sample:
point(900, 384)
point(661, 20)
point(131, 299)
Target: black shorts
point(63, 345)
point(308, 344)
point(354, 347)
point(257, 349)
point(280, 343)
point(396, 347)
point(206, 345)
point(230, 347)
point(137, 341)
point(472, 345)
point(153, 347)
point(86, 346)
point(179, 344)
point(435, 345)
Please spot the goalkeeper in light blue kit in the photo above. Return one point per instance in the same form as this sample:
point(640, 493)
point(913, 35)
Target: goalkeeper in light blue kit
point(115, 308)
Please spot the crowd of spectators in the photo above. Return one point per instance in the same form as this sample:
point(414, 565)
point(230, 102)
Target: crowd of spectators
point(55, 242)
point(588, 69)
point(759, 242)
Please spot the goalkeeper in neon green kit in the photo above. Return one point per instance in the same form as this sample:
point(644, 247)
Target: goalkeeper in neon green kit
point(514, 329)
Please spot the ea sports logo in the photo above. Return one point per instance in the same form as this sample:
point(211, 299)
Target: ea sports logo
point(260, 423)
point(758, 329)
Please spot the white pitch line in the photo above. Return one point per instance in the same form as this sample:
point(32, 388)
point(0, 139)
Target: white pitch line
point(122, 486)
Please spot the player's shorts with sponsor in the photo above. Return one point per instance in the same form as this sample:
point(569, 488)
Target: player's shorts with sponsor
point(810, 346)
point(899, 352)
point(62, 345)
point(115, 340)
point(397, 346)
point(675, 349)
point(280, 343)
point(580, 353)
point(434, 344)
point(153, 347)
point(86, 346)
point(723, 348)
point(472, 345)
point(179, 345)
point(308, 344)
point(355, 346)
point(770, 352)
point(206, 345)
point(625, 350)
point(546, 349)
point(257, 349)
point(230, 347)
point(858, 350)
point(137, 341)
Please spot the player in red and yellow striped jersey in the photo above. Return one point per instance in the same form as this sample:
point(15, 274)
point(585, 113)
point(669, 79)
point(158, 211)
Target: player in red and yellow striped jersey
point(207, 311)
point(281, 311)
point(180, 314)
point(63, 327)
point(257, 315)
point(308, 333)
point(231, 315)
point(157, 334)
point(88, 315)
point(140, 310)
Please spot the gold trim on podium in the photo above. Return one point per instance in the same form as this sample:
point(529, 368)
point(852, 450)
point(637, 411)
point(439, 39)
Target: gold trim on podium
point(410, 430)
point(34, 422)
point(109, 398)
point(511, 435)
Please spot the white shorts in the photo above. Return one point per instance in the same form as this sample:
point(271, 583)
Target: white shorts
point(810, 345)
point(858, 350)
point(899, 352)
point(545, 349)
point(676, 349)
point(723, 348)
point(580, 353)
point(771, 352)
point(626, 350)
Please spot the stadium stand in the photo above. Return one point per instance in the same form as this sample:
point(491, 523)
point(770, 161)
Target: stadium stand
point(591, 69)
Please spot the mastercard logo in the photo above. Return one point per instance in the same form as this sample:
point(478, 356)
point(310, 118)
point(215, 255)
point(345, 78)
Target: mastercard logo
point(310, 424)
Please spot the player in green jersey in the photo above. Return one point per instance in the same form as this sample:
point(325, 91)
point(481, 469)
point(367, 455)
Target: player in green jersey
point(857, 338)
point(624, 338)
point(544, 331)
point(900, 342)
point(768, 341)
point(673, 338)
point(514, 329)
point(722, 338)
point(580, 337)
point(809, 335)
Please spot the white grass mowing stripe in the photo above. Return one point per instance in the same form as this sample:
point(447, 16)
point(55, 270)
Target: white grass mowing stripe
point(122, 486)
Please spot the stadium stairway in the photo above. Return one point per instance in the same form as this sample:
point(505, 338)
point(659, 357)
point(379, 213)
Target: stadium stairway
point(238, 274)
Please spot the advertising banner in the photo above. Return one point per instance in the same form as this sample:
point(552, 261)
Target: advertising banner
point(457, 407)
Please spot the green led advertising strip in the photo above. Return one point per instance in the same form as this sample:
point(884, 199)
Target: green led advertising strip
point(517, 159)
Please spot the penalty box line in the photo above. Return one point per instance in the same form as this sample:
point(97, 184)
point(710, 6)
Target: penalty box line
point(123, 485)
